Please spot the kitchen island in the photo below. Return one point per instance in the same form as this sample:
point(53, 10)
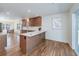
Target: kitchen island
point(30, 40)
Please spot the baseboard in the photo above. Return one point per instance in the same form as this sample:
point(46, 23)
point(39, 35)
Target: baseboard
point(75, 52)
point(57, 41)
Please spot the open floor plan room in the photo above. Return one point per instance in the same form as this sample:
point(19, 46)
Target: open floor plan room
point(39, 29)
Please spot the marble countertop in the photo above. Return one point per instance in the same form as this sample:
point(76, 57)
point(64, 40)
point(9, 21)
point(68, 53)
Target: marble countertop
point(30, 34)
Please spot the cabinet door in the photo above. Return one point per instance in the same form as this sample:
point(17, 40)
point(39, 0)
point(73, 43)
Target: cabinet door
point(43, 35)
point(36, 21)
point(23, 43)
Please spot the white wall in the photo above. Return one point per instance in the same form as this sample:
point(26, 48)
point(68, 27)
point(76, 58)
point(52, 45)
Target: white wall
point(55, 34)
point(69, 29)
point(17, 21)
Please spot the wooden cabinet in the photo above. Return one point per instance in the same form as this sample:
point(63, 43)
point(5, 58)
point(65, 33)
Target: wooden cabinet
point(36, 21)
point(27, 44)
point(24, 22)
point(23, 31)
point(34, 41)
point(23, 43)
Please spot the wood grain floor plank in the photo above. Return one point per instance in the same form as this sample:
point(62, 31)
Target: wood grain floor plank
point(47, 48)
point(53, 48)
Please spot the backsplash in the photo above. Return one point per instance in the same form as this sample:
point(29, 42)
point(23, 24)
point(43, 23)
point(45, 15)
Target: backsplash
point(31, 28)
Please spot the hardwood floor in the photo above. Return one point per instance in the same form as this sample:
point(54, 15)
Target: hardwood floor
point(53, 48)
point(47, 48)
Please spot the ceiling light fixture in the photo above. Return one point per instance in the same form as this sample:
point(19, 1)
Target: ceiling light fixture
point(7, 13)
point(28, 10)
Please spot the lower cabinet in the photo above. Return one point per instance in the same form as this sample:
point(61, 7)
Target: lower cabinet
point(23, 43)
point(27, 44)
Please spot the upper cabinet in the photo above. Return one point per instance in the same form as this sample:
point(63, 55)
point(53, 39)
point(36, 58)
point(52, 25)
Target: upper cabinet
point(24, 22)
point(35, 21)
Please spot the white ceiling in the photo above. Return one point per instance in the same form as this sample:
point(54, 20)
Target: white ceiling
point(19, 10)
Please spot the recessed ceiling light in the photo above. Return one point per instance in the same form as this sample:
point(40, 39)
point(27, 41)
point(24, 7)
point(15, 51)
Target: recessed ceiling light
point(28, 10)
point(7, 13)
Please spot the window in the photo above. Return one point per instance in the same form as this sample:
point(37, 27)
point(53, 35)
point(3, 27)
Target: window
point(18, 26)
point(8, 26)
point(3, 26)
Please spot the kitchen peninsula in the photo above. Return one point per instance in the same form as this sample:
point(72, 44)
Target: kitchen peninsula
point(30, 40)
point(32, 34)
